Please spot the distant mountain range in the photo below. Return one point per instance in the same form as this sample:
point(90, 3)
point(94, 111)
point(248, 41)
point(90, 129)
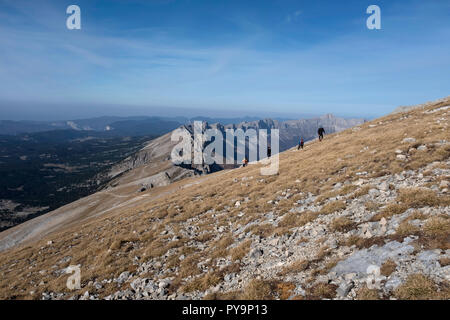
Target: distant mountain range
point(292, 130)
point(115, 126)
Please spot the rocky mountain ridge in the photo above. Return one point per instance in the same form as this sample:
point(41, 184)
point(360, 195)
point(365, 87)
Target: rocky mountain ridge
point(141, 168)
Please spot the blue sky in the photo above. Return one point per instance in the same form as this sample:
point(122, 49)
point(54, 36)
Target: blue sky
point(216, 57)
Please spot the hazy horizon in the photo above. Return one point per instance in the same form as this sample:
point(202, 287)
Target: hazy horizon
point(52, 113)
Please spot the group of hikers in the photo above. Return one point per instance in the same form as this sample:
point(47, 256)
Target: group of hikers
point(320, 132)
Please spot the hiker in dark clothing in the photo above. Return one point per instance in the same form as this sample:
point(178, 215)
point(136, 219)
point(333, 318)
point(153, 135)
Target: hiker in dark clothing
point(244, 162)
point(269, 151)
point(321, 131)
point(300, 145)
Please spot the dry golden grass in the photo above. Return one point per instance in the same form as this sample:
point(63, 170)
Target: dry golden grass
point(412, 198)
point(297, 219)
point(435, 233)
point(234, 295)
point(371, 206)
point(238, 252)
point(258, 290)
point(361, 192)
point(367, 294)
point(437, 226)
point(333, 206)
point(188, 267)
point(329, 265)
point(321, 291)
point(202, 283)
point(284, 289)
point(204, 237)
point(417, 215)
point(388, 267)
point(263, 230)
point(219, 248)
point(419, 287)
point(444, 262)
point(406, 229)
point(334, 193)
point(389, 211)
point(295, 267)
point(363, 243)
point(342, 224)
point(105, 247)
point(322, 252)
point(418, 197)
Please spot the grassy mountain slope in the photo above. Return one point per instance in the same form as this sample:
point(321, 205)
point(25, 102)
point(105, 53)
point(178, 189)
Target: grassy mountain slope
point(376, 194)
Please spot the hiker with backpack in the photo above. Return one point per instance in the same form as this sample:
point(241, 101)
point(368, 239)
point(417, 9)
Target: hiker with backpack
point(301, 143)
point(321, 131)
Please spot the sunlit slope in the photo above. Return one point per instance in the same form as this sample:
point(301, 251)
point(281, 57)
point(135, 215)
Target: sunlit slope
point(376, 194)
